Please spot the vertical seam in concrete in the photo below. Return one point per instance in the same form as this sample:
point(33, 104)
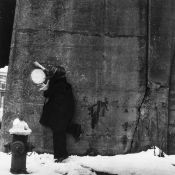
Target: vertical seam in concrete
point(138, 118)
point(13, 39)
point(148, 38)
point(170, 77)
point(172, 63)
point(104, 17)
point(146, 70)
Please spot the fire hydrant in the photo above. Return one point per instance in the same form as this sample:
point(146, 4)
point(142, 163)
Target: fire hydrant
point(19, 146)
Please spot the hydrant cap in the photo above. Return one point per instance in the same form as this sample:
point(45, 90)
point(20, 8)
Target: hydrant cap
point(20, 127)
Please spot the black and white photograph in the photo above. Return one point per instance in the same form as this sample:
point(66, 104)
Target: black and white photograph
point(87, 87)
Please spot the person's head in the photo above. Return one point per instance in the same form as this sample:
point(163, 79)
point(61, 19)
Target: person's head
point(55, 71)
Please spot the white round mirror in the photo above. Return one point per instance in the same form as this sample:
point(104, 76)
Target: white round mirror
point(38, 76)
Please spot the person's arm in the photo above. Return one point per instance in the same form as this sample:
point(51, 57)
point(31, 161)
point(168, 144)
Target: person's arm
point(44, 86)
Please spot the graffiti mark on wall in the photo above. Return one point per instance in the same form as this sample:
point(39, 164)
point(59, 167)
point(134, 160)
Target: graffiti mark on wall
point(97, 110)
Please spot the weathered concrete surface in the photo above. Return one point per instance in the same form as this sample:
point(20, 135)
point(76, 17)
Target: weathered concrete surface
point(155, 120)
point(122, 99)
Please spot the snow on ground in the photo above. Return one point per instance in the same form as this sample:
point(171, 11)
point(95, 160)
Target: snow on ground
point(143, 163)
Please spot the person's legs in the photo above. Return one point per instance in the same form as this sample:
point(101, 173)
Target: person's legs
point(59, 145)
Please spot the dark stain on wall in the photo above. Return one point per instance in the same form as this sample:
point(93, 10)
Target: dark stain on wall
point(59, 9)
point(97, 110)
point(124, 140)
point(35, 5)
point(125, 126)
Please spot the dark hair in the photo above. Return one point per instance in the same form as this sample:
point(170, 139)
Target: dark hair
point(55, 71)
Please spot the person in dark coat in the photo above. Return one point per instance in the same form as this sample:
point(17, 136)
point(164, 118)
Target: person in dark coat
point(58, 111)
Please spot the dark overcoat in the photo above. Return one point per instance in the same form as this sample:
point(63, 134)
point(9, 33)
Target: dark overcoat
point(58, 109)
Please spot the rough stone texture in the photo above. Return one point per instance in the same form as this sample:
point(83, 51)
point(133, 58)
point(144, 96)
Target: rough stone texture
point(155, 121)
point(116, 59)
point(165, 54)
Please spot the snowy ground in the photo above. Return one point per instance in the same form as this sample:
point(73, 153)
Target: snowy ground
point(143, 163)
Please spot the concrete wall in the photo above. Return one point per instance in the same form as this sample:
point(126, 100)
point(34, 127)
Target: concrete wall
point(116, 60)
point(155, 119)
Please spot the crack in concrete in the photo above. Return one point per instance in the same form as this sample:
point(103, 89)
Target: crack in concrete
point(139, 115)
point(147, 88)
point(84, 33)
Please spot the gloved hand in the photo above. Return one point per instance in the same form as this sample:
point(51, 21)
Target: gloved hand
point(43, 86)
